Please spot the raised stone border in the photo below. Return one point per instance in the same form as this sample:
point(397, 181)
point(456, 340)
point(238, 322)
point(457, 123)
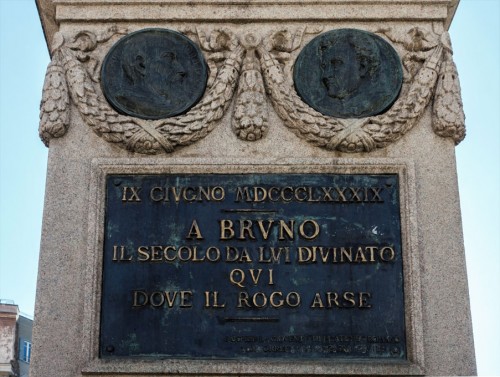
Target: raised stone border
point(413, 312)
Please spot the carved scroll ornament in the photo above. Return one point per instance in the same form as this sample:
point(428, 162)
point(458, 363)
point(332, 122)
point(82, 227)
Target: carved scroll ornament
point(258, 67)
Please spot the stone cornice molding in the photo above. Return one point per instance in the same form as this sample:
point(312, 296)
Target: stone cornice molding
point(9, 311)
point(55, 12)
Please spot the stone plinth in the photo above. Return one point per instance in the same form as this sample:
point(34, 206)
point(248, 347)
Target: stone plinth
point(250, 48)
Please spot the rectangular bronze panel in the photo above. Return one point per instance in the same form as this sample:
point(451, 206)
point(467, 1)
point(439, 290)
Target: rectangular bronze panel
point(253, 266)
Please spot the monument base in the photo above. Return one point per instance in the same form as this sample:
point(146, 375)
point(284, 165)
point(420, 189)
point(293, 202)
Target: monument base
point(252, 235)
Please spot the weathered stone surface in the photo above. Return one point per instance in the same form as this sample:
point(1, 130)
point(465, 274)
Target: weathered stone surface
point(8, 354)
point(250, 48)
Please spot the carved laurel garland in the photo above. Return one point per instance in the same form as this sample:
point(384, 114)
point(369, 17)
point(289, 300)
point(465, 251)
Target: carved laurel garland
point(73, 73)
point(137, 135)
point(367, 134)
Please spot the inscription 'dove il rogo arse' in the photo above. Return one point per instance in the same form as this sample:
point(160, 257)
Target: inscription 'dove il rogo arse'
point(263, 266)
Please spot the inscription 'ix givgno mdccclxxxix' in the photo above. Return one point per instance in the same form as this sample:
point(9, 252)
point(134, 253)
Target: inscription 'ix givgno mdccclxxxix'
point(267, 266)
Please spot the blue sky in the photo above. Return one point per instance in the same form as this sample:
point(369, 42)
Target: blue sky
point(475, 33)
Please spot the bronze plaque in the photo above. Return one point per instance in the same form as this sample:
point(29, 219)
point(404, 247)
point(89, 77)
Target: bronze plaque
point(348, 73)
point(304, 266)
point(154, 74)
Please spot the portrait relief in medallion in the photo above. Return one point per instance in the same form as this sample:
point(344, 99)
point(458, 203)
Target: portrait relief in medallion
point(348, 73)
point(154, 74)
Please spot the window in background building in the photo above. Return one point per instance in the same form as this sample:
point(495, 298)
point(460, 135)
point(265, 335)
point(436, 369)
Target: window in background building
point(25, 351)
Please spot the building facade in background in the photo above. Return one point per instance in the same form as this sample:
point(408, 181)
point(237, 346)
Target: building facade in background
point(15, 340)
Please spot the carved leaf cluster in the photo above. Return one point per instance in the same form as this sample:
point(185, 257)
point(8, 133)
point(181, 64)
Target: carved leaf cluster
point(250, 118)
point(448, 115)
point(54, 108)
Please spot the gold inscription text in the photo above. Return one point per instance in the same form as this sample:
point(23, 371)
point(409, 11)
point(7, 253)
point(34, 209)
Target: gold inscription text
point(248, 229)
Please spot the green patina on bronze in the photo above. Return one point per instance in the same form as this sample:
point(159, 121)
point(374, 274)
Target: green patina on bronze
point(203, 266)
point(348, 73)
point(154, 74)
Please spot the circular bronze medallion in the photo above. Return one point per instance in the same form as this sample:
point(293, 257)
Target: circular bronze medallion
point(348, 73)
point(154, 74)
